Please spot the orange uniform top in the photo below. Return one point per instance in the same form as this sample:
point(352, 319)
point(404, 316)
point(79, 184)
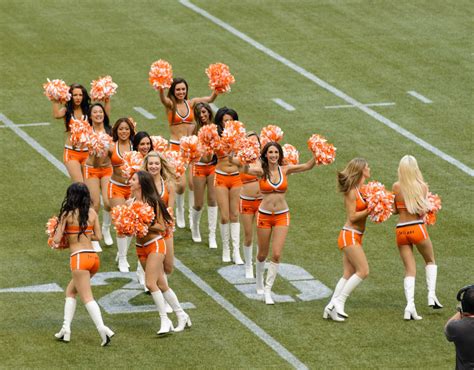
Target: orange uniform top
point(77, 229)
point(116, 158)
point(400, 205)
point(360, 202)
point(164, 194)
point(174, 118)
point(266, 186)
point(246, 178)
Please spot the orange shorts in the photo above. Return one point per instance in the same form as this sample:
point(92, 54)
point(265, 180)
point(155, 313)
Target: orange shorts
point(409, 233)
point(117, 190)
point(156, 245)
point(85, 260)
point(349, 237)
point(267, 220)
point(92, 172)
point(201, 169)
point(71, 154)
point(227, 180)
point(175, 145)
point(249, 205)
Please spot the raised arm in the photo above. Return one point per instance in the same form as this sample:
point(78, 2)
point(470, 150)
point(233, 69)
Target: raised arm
point(350, 203)
point(165, 100)
point(205, 99)
point(58, 110)
point(295, 168)
point(254, 169)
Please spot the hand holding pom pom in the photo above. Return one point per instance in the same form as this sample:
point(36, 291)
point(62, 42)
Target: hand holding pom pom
point(57, 90)
point(190, 148)
point(132, 162)
point(220, 77)
point(133, 219)
point(80, 132)
point(232, 136)
point(270, 133)
point(435, 202)
point(51, 227)
point(103, 88)
point(324, 152)
point(176, 161)
point(209, 139)
point(290, 154)
point(379, 201)
point(160, 144)
point(160, 75)
point(99, 143)
point(249, 151)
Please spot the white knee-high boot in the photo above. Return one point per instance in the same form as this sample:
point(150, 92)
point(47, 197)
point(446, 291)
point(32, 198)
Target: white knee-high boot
point(348, 288)
point(225, 234)
point(195, 225)
point(96, 316)
point(180, 211)
point(410, 310)
point(166, 324)
point(169, 309)
point(248, 261)
point(271, 276)
point(183, 318)
point(328, 310)
point(106, 220)
point(122, 246)
point(141, 276)
point(259, 270)
point(69, 309)
point(235, 236)
point(212, 222)
point(431, 275)
point(190, 207)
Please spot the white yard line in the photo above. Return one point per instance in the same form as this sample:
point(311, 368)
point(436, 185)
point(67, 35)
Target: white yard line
point(310, 76)
point(424, 99)
point(229, 307)
point(34, 144)
point(144, 112)
point(353, 106)
point(30, 124)
point(214, 107)
point(284, 104)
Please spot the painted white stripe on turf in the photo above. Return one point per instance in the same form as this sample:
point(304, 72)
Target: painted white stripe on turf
point(330, 88)
point(30, 124)
point(284, 104)
point(34, 144)
point(214, 107)
point(144, 112)
point(424, 99)
point(353, 106)
point(244, 320)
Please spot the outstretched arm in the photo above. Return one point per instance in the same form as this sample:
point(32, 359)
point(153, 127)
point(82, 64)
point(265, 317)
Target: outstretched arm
point(295, 168)
point(204, 99)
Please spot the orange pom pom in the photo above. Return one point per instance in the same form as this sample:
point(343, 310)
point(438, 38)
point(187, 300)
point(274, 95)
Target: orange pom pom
point(133, 123)
point(57, 90)
point(190, 148)
point(270, 133)
point(132, 162)
point(209, 139)
point(160, 144)
point(290, 154)
point(220, 77)
point(160, 75)
point(80, 132)
point(249, 151)
point(379, 201)
point(435, 205)
point(99, 144)
point(232, 136)
point(124, 219)
point(51, 226)
point(324, 152)
point(103, 88)
point(176, 161)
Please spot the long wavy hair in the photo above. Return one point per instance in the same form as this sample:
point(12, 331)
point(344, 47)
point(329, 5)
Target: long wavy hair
point(350, 177)
point(116, 126)
point(167, 173)
point(171, 93)
point(264, 159)
point(85, 104)
point(107, 127)
point(139, 136)
point(77, 199)
point(151, 196)
point(219, 118)
point(197, 116)
point(412, 186)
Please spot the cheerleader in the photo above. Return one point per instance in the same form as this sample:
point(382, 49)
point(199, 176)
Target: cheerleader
point(118, 191)
point(411, 203)
point(98, 170)
point(273, 218)
point(250, 199)
point(203, 176)
point(78, 224)
point(228, 184)
point(354, 262)
point(179, 110)
point(151, 251)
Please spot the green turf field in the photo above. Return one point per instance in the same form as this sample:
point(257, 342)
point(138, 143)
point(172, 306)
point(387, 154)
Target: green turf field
point(373, 51)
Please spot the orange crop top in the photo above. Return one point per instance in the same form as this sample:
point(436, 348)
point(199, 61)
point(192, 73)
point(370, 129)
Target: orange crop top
point(246, 178)
point(164, 194)
point(267, 187)
point(360, 202)
point(77, 229)
point(116, 158)
point(401, 205)
point(174, 118)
